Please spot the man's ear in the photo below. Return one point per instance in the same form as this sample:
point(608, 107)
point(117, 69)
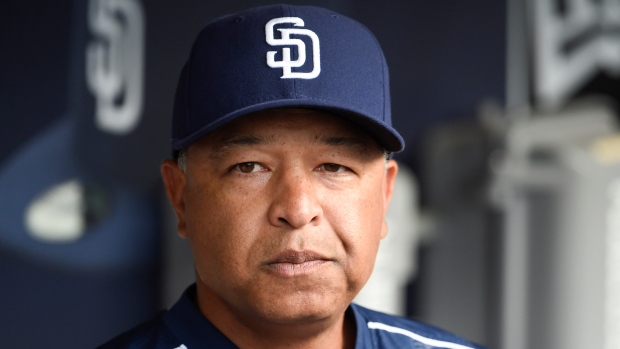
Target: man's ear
point(391, 170)
point(174, 181)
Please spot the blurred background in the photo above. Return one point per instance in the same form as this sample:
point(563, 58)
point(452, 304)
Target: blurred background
point(506, 227)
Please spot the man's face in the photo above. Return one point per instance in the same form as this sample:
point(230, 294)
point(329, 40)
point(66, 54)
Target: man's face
point(284, 211)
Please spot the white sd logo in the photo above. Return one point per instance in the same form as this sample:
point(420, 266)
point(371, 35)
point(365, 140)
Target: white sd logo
point(286, 63)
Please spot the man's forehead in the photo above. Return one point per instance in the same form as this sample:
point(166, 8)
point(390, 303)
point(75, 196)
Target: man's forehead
point(271, 126)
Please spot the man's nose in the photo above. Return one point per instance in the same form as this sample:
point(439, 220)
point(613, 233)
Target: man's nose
point(295, 202)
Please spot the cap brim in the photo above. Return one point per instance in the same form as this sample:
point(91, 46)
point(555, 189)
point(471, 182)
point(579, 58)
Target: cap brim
point(386, 136)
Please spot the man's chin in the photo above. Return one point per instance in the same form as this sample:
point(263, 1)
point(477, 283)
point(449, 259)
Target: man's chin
point(300, 309)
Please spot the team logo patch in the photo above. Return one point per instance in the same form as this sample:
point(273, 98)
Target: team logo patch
point(286, 63)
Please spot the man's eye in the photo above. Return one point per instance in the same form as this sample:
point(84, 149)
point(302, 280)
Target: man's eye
point(332, 168)
point(248, 167)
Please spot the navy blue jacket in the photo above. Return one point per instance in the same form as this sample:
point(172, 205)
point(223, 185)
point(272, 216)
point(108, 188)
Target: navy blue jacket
point(184, 327)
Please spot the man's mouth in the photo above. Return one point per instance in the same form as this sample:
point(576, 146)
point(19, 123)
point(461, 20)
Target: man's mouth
point(292, 263)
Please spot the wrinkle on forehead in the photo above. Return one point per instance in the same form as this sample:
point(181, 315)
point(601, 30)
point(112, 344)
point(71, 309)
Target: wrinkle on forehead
point(226, 145)
point(344, 141)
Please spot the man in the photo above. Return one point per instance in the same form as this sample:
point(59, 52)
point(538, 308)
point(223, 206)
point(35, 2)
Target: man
point(281, 180)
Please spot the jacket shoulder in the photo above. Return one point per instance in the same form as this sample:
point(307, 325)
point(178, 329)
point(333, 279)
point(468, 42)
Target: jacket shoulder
point(389, 331)
point(152, 334)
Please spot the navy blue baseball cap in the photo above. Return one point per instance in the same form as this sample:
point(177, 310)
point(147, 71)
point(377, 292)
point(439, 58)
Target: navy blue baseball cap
point(283, 56)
